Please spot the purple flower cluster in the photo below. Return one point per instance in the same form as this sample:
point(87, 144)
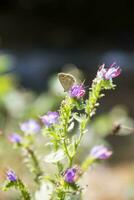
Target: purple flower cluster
point(11, 176)
point(100, 152)
point(77, 91)
point(50, 118)
point(70, 175)
point(109, 73)
point(15, 138)
point(30, 126)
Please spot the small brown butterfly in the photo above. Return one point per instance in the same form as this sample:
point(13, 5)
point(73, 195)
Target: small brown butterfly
point(66, 80)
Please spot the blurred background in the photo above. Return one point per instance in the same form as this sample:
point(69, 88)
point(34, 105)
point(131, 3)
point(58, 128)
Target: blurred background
point(38, 39)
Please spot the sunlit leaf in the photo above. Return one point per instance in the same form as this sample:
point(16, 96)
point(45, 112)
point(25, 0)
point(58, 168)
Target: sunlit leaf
point(54, 156)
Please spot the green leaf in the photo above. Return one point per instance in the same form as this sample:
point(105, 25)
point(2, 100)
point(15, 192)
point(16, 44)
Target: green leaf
point(79, 118)
point(71, 126)
point(55, 156)
point(73, 197)
point(44, 191)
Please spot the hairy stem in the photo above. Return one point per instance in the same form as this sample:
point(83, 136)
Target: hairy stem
point(38, 171)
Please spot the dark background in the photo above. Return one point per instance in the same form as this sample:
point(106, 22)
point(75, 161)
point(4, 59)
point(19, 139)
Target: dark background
point(67, 24)
point(44, 35)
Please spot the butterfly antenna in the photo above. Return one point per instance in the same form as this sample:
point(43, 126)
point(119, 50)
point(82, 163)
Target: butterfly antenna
point(85, 86)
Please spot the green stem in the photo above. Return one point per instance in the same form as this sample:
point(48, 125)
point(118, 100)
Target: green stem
point(83, 126)
point(18, 185)
point(94, 95)
point(38, 171)
point(90, 108)
point(65, 115)
point(85, 165)
point(22, 188)
point(67, 153)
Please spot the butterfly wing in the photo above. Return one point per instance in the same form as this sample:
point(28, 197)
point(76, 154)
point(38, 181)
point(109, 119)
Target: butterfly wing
point(66, 80)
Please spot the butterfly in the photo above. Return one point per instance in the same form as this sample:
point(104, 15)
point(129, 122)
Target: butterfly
point(66, 80)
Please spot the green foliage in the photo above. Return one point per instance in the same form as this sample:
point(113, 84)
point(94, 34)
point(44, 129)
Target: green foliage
point(98, 86)
point(59, 134)
point(18, 185)
point(63, 145)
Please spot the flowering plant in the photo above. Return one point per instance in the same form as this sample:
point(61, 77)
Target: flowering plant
point(64, 182)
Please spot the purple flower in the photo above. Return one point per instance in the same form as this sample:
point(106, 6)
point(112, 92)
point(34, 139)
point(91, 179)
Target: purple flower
point(15, 138)
point(109, 73)
point(77, 91)
point(100, 152)
point(50, 118)
point(70, 175)
point(11, 176)
point(30, 126)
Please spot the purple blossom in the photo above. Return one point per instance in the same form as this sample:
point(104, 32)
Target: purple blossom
point(70, 175)
point(50, 118)
point(77, 91)
point(11, 176)
point(109, 73)
point(100, 152)
point(15, 138)
point(30, 126)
